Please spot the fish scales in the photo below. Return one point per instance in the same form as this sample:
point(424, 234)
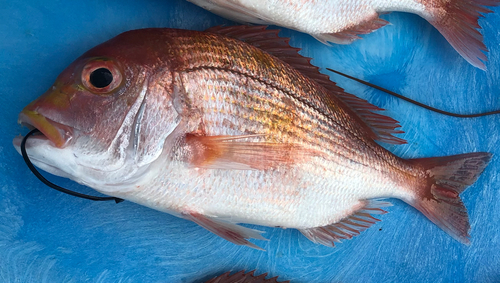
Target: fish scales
point(290, 131)
point(217, 131)
point(336, 128)
point(213, 61)
point(345, 146)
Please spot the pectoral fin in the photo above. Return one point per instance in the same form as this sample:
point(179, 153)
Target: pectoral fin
point(348, 227)
point(242, 152)
point(232, 232)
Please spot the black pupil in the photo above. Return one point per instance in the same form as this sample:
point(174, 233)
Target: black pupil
point(101, 77)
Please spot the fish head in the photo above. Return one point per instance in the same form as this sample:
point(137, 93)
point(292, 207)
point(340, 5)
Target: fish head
point(107, 115)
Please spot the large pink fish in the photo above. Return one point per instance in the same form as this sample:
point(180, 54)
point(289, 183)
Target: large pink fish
point(210, 128)
point(341, 21)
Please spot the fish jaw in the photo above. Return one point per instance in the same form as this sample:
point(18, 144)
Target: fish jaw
point(57, 133)
point(63, 150)
point(69, 162)
point(50, 150)
point(44, 155)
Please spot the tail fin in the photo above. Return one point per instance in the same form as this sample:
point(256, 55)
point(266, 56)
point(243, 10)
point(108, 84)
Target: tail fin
point(439, 198)
point(457, 21)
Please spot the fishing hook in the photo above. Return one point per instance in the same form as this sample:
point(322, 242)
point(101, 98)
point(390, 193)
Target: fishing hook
point(52, 185)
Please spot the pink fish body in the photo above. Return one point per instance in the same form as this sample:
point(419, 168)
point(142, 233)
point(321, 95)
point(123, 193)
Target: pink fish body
point(207, 127)
point(341, 21)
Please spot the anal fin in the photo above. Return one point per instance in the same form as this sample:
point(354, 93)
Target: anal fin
point(350, 34)
point(234, 233)
point(348, 227)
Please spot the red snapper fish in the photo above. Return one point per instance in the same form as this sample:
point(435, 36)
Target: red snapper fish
point(342, 21)
point(233, 126)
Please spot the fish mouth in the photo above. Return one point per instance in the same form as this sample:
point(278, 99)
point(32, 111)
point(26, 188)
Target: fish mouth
point(57, 133)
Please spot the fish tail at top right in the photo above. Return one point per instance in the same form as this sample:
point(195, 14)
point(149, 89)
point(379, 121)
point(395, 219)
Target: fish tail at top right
point(457, 21)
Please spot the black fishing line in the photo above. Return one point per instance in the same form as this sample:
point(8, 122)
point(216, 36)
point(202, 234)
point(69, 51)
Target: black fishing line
point(416, 102)
point(52, 185)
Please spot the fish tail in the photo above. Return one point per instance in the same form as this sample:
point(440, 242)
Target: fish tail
point(438, 197)
point(457, 20)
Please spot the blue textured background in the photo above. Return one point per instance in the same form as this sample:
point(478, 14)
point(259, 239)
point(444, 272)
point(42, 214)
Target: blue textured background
point(46, 236)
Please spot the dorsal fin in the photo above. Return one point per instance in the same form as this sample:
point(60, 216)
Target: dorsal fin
point(383, 127)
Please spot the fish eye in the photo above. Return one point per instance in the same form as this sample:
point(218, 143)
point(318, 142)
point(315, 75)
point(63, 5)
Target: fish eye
point(101, 76)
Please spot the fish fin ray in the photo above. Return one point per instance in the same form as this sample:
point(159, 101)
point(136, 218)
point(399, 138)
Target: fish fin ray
point(234, 233)
point(446, 178)
point(237, 152)
point(348, 35)
point(457, 21)
point(380, 127)
point(348, 227)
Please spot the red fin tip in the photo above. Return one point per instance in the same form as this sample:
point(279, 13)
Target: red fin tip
point(459, 25)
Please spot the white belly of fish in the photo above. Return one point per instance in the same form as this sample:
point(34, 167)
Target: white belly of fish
point(310, 16)
point(296, 197)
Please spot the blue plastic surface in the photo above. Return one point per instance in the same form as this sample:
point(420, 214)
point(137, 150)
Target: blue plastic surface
point(47, 236)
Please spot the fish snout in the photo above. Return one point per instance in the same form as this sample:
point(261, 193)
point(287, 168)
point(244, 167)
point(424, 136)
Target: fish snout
point(54, 102)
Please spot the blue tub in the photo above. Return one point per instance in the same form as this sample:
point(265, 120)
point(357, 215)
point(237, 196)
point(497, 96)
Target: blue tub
point(47, 236)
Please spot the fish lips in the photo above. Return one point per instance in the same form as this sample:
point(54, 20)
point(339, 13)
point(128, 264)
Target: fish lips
point(46, 150)
point(57, 133)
